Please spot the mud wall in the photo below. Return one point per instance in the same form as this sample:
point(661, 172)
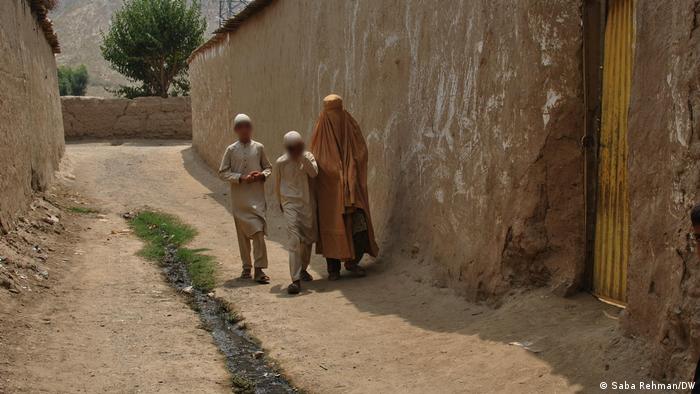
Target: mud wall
point(31, 131)
point(664, 170)
point(472, 111)
point(143, 117)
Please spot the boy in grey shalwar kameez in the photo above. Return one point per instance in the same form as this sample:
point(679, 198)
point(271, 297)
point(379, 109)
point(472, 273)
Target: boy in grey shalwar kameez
point(294, 173)
point(246, 168)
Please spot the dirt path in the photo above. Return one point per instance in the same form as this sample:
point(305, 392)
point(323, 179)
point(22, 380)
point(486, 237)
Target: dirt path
point(108, 324)
point(389, 332)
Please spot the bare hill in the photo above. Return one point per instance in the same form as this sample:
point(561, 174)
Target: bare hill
point(79, 24)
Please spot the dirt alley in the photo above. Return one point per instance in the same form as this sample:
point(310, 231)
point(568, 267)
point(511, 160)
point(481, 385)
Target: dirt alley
point(389, 332)
point(105, 321)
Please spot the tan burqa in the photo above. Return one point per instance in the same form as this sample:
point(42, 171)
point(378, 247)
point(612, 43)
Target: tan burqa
point(341, 185)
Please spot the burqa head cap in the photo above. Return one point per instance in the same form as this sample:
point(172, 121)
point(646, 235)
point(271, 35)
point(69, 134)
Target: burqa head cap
point(332, 101)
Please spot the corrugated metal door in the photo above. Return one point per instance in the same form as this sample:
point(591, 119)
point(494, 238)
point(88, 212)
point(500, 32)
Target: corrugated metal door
point(612, 218)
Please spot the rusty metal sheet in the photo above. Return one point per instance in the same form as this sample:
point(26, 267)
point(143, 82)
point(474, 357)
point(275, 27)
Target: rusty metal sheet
point(612, 217)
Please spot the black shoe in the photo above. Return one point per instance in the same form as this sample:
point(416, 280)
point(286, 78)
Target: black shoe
point(306, 277)
point(294, 288)
point(334, 275)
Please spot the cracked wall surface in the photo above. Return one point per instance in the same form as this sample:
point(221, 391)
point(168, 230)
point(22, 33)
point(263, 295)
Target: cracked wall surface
point(473, 112)
point(31, 131)
point(143, 117)
point(664, 176)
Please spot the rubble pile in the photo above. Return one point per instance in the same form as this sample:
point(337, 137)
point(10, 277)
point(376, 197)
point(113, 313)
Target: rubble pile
point(28, 252)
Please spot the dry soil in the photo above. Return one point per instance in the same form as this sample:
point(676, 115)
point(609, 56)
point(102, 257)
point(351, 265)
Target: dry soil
point(392, 331)
point(103, 320)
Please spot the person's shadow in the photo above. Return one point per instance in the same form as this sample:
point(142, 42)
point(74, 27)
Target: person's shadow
point(548, 321)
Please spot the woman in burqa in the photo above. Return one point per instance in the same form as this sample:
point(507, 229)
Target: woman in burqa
point(344, 220)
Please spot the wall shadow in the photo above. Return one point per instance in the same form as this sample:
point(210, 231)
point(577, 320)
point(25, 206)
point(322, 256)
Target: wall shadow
point(219, 191)
point(198, 169)
point(578, 337)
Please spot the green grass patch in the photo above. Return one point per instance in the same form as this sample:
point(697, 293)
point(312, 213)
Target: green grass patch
point(200, 267)
point(83, 210)
point(159, 230)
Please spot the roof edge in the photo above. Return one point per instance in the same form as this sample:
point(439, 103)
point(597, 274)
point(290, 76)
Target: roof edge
point(230, 26)
point(40, 9)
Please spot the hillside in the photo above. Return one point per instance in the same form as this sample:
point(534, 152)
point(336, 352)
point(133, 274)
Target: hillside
point(79, 24)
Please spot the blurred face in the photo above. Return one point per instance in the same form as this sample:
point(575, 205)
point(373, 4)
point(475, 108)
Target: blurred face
point(244, 131)
point(696, 237)
point(296, 150)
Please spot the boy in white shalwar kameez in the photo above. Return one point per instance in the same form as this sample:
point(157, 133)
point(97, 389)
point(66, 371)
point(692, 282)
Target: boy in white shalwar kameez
point(294, 174)
point(246, 168)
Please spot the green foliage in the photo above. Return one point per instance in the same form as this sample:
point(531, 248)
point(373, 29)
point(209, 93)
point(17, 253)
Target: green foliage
point(64, 87)
point(160, 230)
point(72, 81)
point(149, 41)
point(200, 267)
point(181, 85)
point(79, 81)
point(129, 92)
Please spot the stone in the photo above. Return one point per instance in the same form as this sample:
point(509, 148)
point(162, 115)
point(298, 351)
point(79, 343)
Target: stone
point(51, 219)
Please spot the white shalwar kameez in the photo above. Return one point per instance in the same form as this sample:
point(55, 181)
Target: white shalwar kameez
point(293, 187)
point(247, 199)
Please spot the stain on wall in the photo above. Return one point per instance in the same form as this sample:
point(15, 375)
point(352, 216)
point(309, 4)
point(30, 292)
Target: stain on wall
point(472, 112)
point(143, 117)
point(31, 131)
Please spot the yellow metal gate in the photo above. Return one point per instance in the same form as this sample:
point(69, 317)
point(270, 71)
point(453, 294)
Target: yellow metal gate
point(612, 218)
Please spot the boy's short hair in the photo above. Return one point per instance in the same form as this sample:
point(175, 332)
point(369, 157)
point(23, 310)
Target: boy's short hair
point(695, 215)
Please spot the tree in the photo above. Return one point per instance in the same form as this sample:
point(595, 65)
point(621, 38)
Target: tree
point(72, 82)
point(149, 42)
point(79, 81)
point(64, 73)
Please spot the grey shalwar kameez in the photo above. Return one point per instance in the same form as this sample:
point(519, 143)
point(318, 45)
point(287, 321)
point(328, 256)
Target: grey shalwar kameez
point(247, 199)
point(297, 200)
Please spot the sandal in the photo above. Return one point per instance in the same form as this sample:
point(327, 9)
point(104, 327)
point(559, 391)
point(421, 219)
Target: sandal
point(305, 276)
point(245, 274)
point(261, 277)
point(294, 288)
point(356, 269)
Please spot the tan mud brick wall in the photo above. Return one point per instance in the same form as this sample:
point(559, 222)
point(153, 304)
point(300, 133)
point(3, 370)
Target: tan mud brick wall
point(472, 111)
point(31, 129)
point(664, 176)
point(143, 117)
